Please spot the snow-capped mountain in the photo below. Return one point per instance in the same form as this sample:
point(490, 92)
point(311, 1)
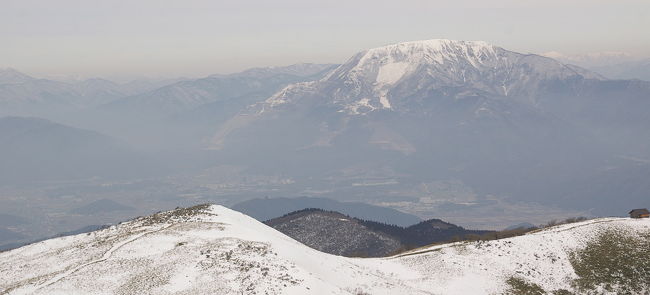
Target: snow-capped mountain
point(214, 250)
point(385, 77)
point(465, 110)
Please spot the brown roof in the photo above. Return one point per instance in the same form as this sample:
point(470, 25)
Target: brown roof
point(640, 211)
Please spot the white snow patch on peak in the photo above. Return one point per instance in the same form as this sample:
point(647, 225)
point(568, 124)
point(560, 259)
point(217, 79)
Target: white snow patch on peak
point(385, 103)
point(283, 96)
point(382, 68)
point(387, 65)
point(360, 107)
point(429, 51)
point(391, 72)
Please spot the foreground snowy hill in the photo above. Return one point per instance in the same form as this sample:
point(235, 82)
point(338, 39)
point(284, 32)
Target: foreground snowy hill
point(214, 250)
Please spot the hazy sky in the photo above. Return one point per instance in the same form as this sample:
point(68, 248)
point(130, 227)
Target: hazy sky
point(199, 37)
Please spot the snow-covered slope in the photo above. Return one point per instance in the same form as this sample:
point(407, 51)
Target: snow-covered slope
point(384, 77)
point(464, 110)
point(217, 251)
point(541, 258)
point(214, 250)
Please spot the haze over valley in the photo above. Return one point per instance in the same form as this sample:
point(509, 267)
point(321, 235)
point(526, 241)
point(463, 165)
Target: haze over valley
point(324, 147)
point(464, 131)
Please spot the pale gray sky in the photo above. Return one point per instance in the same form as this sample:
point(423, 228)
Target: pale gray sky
point(198, 37)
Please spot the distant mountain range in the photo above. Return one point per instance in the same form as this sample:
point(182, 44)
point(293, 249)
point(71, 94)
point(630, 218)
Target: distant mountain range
point(12, 76)
point(181, 114)
point(628, 70)
point(334, 233)
point(511, 128)
point(92, 100)
point(23, 95)
point(613, 65)
point(186, 95)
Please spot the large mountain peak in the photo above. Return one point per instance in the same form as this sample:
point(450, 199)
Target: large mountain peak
point(387, 65)
point(384, 78)
point(435, 51)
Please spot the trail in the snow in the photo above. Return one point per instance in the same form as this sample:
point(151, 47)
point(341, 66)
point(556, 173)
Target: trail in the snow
point(107, 255)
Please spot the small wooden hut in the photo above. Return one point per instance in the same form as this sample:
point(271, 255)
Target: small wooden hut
point(640, 213)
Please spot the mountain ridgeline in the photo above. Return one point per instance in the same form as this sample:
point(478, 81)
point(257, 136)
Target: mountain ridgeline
point(187, 111)
point(339, 234)
point(209, 249)
point(462, 130)
point(445, 109)
point(268, 208)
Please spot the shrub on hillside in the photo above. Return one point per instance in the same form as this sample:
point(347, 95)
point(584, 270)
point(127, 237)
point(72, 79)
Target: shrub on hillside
point(613, 262)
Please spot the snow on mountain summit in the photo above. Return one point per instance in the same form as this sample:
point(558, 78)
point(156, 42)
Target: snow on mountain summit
point(382, 78)
point(395, 59)
point(389, 64)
